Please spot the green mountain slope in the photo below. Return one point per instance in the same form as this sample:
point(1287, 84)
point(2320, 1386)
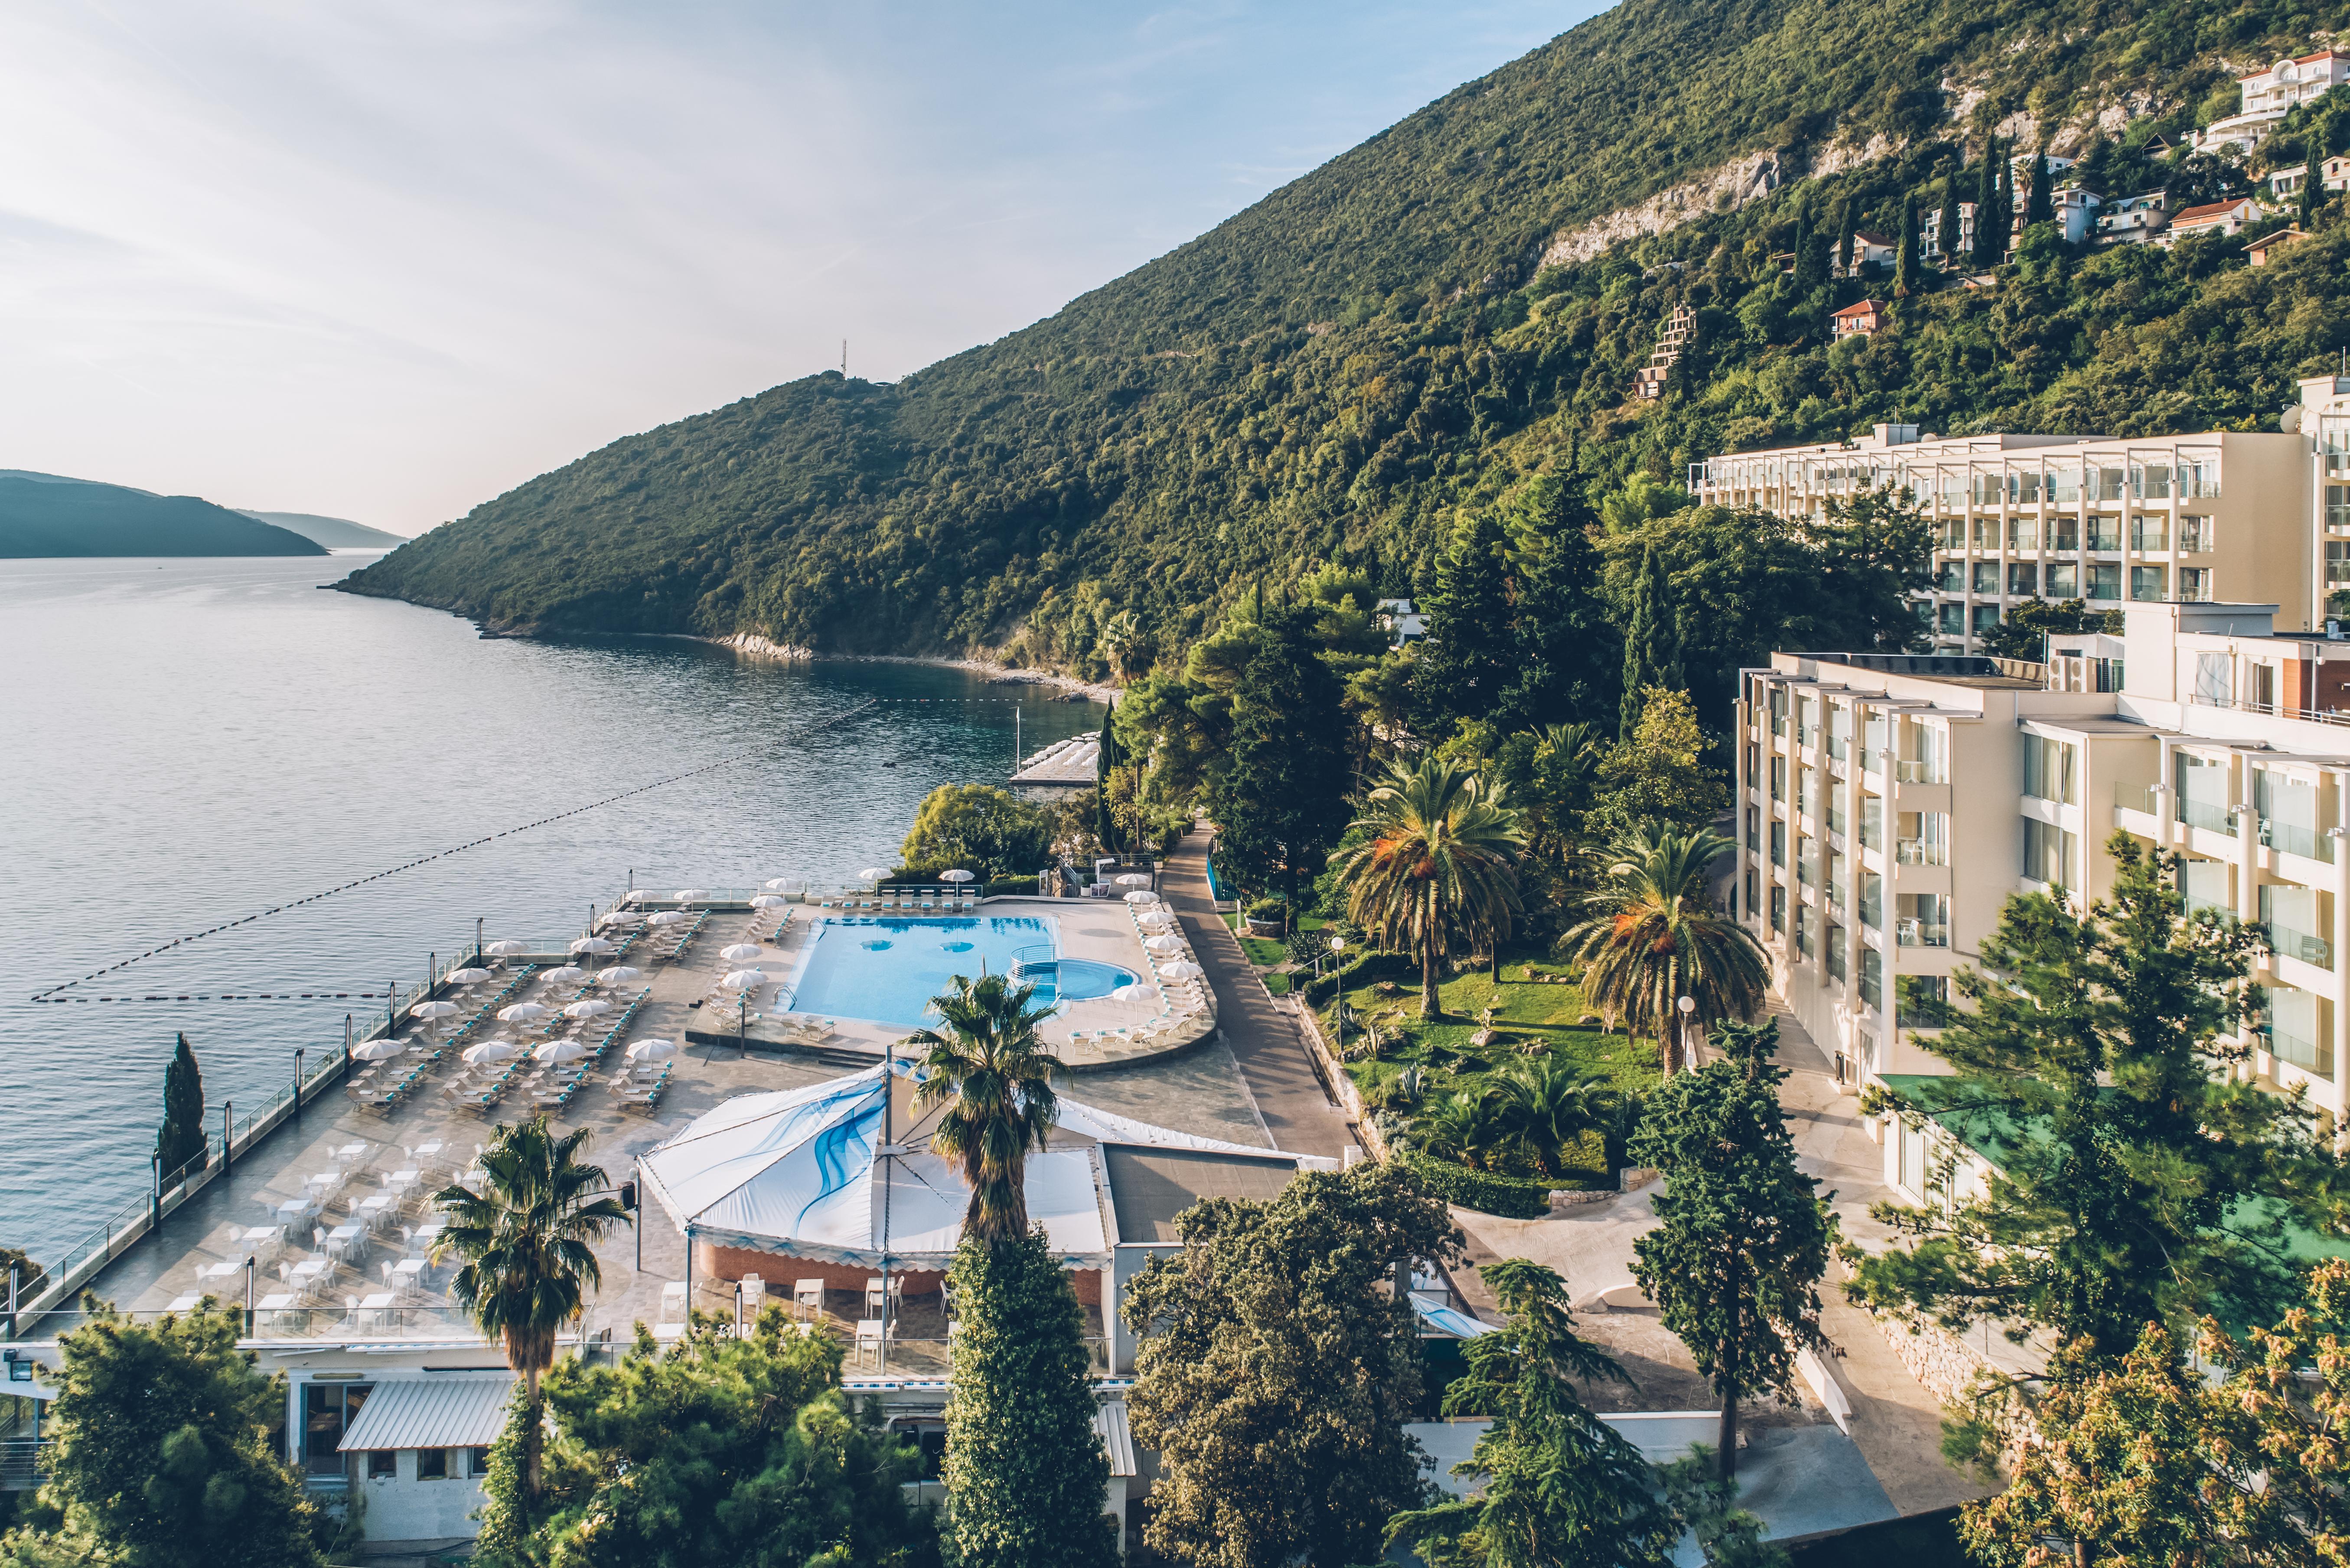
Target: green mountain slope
point(1331, 373)
point(44, 515)
point(336, 532)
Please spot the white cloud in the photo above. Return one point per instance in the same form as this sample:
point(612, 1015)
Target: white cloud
point(385, 260)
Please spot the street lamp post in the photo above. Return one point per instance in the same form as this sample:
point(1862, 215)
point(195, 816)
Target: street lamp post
point(1685, 1006)
point(1338, 945)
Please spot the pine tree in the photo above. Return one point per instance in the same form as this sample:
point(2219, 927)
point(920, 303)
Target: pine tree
point(1950, 221)
point(1026, 1470)
point(2313, 183)
point(181, 1140)
point(1986, 254)
point(1279, 804)
point(1905, 263)
point(1652, 651)
point(1565, 651)
point(1468, 659)
point(1742, 1242)
point(2041, 207)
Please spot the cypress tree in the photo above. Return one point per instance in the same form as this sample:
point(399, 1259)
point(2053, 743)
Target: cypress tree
point(1950, 220)
point(181, 1136)
point(1025, 1470)
point(2041, 206)
point(1802, 243)
point(2313, 183)
point(1107, 759)
point(1987, 207)
point(1905, 263)
point(2005, 231)
point(1843, 236)
point(1652, 654)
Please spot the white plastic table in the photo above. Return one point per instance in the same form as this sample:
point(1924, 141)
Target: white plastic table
point(184, 1304)
point(297, 1208)
point(342, 1240)
point(409, 1269)
point(351, 1151)
point(221, 1271)
point(377, 1306)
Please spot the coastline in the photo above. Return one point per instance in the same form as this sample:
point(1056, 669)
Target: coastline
point(1004, 675)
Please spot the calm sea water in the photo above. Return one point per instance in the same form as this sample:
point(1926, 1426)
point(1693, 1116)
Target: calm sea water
point(184, 743)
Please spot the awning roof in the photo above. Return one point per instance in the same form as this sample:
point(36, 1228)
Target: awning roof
point(1109, 1420)
point(431, 1413)
point(800, 1172)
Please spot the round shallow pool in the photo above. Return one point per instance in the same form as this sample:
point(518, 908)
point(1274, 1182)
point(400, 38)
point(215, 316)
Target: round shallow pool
point(1082, 980)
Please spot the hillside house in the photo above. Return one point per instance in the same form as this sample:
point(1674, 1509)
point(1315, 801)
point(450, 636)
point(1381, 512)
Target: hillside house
point(2286, 184)
point(2212, 218)
point(1859, 320)
point(1929, 232)
point(2259, 249)
point(2335, 172)
point(2271, 94)
point(1403, 623)
point(2134, 220)
point(1870, 250)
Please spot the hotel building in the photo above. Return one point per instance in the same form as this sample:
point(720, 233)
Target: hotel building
point(1888, 805)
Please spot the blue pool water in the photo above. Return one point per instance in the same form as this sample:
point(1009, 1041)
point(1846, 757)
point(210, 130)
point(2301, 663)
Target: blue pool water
point(888, 970)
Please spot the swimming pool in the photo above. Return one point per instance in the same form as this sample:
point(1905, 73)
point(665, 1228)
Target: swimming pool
point(888, 970)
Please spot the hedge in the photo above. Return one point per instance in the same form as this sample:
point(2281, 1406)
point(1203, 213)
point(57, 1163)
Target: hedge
point(1011, 884)
point(1361, 971)
point(1509, 1197)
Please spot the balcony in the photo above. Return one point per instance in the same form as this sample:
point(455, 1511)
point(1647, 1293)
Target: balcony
point(2142, 798)
point(2300, 945)
point(1922, 771)
point(1920, 852)
point(2287, 1043)
point(2308, 843)
point(2208, 814)
point(1921, 934)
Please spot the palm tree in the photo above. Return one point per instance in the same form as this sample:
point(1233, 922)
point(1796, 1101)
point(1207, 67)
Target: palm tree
point(1465, 1127)
point(1436, 867)
point(1651, 935)
point(987, 1065)
point(1552, 1106)
point(528, 1241)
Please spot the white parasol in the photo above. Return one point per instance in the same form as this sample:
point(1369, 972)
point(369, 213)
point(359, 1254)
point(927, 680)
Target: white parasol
point(465, 976)
point(523, 1012)
point(1183, 968)
point(435, 1010)
point(1168, 945)
point(618, 974)
point(651, 1050)
point(1134, 879)
point(587, 1009)
point(958, 876)
point(490, 1051)
point(769, 901)
point(564, 975)
point(506, 948)
point(739, 952)
point(668, 917)
point(560, 1051)
point(596, 945)
point(1140, 895)
point(778, 884)
point(379, 1050)
point(745, 980)
point(687, 894)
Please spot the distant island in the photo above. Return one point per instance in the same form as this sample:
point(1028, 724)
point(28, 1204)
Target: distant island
point(47, 515)
point(335, 533)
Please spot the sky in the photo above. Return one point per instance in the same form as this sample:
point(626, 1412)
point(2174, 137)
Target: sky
point(384, 260)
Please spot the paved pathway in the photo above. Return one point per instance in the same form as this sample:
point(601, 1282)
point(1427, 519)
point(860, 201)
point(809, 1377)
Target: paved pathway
point(1297, 1112)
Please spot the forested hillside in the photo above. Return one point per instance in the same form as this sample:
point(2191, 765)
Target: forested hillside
point(1330, 377)
point(46, 516)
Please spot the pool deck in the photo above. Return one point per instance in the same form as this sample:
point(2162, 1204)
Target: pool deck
point(1200, 1090)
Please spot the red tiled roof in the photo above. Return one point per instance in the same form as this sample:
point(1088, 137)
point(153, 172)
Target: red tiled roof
point(2321, 55)
point(1864, 307)
point(1872, 239)
point(2281, 237)
point(2210, 212)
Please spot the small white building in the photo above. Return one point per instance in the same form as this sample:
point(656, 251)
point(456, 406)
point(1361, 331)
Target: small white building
point(418, 1448)
point(1404, 624)
point(2212, 218)
point(2269, 95)
point(2134, 220)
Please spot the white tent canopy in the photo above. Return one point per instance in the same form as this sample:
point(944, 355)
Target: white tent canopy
point(796, 1172)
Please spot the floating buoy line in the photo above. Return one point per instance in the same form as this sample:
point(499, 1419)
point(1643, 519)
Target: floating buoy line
point(52, 993)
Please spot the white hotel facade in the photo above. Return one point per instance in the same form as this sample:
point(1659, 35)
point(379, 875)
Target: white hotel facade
point(1887, 805)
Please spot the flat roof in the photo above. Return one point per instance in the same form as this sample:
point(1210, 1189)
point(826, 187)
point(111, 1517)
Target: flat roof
point(1150, 1186)
point(467, 1410)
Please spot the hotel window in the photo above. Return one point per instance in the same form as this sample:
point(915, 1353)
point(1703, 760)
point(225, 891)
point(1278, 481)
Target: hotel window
point(328, 1411)
point(2064, 580)
point(1874, 738)
point(1985, 618)
point(1754, 829)
point(2064, 535)
point(2203, 885)
point(2287, 810)
point(1872, 978)
point(1779, 843)
point(2022, 579)
point(2337, 507)
point(1835, 879)
point(2048, 768)
point(1987, 577)
point(2047, 852)
point(1807, 861)
point(2023, 489)
point(2194, 584)
point(2150, 533)
point(2024, 535)
point(1807, 930)
point(383, 1464)
point(2105, 582)
point(1954, 619)
point(2290, 1022)
point(2215, 679)
point(1872, 901)
point(2064, 483)
point(1779, 907)
point(1753, 891)
point(432, 1464)
point(1835, 957)
point(2110, 483)
point(2105, 532)
point(1951, 579)
point(1778, 778)
point(2149, 584)
point(2200, 784)
point(1872, 821)
point(1807, 792)
point(1923, 999)
point(2195, 535)
point(1778, 709)
point(1840, 731)
point(2337, 563)
point(1922, 920)
point(1987, 529)
point(2297, 919)
point(2150, 481)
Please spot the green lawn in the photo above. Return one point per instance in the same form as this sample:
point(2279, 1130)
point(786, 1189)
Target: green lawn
point(1529, 1013)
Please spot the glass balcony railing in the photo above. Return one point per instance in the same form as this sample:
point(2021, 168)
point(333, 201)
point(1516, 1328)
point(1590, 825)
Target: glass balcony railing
point(2286, 1043)
point(1917, 772)
point(2295, 839)
point(2301, 945)
point(2206, 814)
point(1921, 934)
point(1920, 852)
point(2138, 797)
